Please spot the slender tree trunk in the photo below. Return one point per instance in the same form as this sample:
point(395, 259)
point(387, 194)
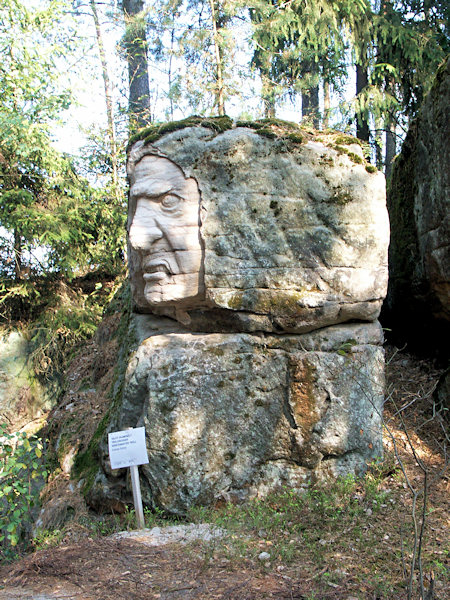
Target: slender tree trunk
point(108, 95)
point(379, 143)
point(310, 106)
point(218, 53)
point(326, 104)
point(362, 123)
point(390, 146)
point(172, 40)
point(310, 97)
point(18, 249)
point(136, 48)
point(268, 96)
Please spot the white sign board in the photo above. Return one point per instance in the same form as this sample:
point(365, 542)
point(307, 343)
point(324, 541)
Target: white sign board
point(127, 448)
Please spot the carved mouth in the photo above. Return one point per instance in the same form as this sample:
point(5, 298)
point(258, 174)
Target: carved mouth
point(156, 270)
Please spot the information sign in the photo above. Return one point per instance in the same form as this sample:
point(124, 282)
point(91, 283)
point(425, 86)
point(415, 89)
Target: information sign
point(127, 448)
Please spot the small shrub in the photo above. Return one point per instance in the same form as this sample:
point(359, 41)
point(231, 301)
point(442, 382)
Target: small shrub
point(22, 475)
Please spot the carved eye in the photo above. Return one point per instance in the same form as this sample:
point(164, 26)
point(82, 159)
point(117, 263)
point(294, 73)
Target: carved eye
point(171, 202)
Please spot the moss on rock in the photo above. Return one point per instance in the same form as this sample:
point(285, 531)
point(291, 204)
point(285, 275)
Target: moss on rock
point(270, 128)
point(154, 132)
point(275, 129)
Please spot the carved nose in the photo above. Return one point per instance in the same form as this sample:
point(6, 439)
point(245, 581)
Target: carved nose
point(142, 237)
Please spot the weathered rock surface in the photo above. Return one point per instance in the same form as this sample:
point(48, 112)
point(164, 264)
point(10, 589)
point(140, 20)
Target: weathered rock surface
point(418, 302)
point(294, 236)
point(22, 399)
point(235, 415)
point(261, 249)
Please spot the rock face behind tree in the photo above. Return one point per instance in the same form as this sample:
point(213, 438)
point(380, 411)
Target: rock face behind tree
point(418, 301)
point(259, 264)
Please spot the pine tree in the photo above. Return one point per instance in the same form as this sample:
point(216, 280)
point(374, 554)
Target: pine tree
point(52, 219)
point(135, 43)
point(297, 44)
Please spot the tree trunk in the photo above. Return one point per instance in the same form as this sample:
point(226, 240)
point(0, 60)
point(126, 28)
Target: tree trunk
point(362, 122)
point(390, 146)
point(268, 96)
point(310, 97)
point(136, 49)
point(18, 249)
point(326, 104)
point(217, 23)
point(310, 106)
point(172, 40)
point(108, 95)
point(379, 143)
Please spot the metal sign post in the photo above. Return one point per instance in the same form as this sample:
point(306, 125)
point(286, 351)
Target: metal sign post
point(127, 449)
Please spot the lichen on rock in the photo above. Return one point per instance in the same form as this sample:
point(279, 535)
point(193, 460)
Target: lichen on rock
point(300, 221)
point(418, 301)
point(258, 265)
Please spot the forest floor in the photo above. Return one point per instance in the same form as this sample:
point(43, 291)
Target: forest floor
point(352, 540)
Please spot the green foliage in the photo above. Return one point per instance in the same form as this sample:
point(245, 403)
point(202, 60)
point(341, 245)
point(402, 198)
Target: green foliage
point(73, 317)
point(297, 43)
point(22, 474)
point(54, 221)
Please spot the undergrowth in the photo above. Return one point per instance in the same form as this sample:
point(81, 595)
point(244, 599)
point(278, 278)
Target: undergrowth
point(286, 522)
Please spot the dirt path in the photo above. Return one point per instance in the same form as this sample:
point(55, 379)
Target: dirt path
point(108, 569)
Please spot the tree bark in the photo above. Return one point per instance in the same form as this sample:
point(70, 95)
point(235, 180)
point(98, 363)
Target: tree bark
point(326, 104)
point(218, 53)
point(391, 146)
point(310, 97)
point(310, 106)
point(18, 249)
point(108, 95)
point(136, 49)
point(362, 123)
point(379, 143)
point(267, 96)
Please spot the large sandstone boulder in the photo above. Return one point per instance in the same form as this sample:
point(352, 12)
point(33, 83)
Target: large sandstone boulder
point(267, 249)
point(418, 301)
point(238, 415)
point(240, 231)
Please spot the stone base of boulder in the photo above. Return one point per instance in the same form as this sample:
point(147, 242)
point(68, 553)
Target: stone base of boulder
point(238, 415)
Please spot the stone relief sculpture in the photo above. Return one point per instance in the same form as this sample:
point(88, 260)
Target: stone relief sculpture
point(164, 239)
point(269, 258)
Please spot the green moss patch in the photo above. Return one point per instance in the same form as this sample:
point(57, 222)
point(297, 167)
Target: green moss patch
point(270, 128)
point(275, 128)
point(347, 140)
point(154, 132)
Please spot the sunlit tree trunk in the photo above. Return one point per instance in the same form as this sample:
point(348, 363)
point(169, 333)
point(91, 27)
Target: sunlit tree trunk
point(169, 74)
point(217, 24)
point(136, 48)
point(326, 104)
point(108, 95)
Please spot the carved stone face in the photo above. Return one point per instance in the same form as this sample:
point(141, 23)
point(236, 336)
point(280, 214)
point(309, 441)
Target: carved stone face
point(166, 254)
